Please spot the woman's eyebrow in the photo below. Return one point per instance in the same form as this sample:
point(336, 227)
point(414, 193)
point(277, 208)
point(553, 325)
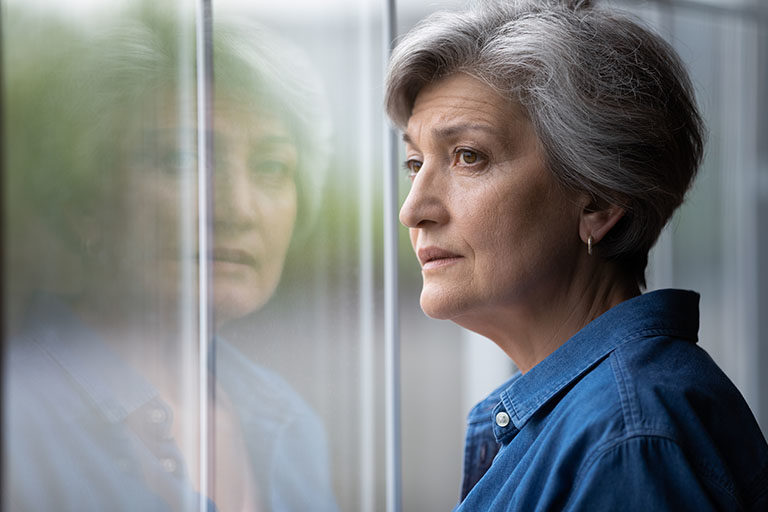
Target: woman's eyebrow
point(446, 132)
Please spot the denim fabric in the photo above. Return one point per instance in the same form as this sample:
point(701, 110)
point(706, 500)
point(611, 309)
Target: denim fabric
point(629, 414)
point(83, 431)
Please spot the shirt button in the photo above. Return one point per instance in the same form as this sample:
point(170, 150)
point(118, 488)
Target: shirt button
point(157, 416)
point(169, 465)
point(502, 419)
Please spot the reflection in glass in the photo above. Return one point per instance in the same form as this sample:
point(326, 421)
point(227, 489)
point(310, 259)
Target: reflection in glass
point(101, 406)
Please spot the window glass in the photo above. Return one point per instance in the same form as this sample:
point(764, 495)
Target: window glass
point(316, 342)
point(101, 406)
point(119, 240)
point(123, 237)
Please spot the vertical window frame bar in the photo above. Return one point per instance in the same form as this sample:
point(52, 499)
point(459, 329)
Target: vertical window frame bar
point(3, 346)
point(204, 61)
point(366, 308)
point(391, 306)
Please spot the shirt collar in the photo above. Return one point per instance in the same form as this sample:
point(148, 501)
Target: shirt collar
point(109, 383)
point(662, 312)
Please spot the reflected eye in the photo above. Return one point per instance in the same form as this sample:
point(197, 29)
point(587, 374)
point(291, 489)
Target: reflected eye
point(272, 173)
point(170, 162)
point(272, 167)
point(467, 156)
point(412, 167)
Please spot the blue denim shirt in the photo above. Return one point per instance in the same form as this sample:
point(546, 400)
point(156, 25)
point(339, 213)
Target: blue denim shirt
point(629, 414)
point(83, 431)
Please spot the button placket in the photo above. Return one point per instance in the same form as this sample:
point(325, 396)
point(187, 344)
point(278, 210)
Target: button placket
point(152, 425)
point(159, 420)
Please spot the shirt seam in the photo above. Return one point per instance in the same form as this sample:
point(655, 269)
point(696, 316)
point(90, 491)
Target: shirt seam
point(627, 398)
point(89, 401)
point(702, 471)
point(115, 410)
point(467, 469)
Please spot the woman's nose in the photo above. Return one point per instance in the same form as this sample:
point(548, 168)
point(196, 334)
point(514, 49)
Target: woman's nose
point(235, 201)
point(426, 201)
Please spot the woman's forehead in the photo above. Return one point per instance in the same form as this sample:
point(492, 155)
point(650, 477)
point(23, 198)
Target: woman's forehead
point(461, 103)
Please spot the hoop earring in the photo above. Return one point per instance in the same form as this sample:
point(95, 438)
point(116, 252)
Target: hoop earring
point(589, 244)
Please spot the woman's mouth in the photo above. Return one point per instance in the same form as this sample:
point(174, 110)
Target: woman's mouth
point(432, 258)
point(232, 256)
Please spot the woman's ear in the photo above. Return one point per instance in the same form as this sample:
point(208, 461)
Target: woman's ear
point(597, 220)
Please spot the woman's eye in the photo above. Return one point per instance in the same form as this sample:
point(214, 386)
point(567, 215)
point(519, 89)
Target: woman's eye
point(272, 167)
point(272, 173)
point(467, 156)
point(412, 167)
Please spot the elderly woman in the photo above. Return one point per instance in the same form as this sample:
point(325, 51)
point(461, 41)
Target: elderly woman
point(548, 143)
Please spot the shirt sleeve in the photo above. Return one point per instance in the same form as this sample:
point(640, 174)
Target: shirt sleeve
point(647, 473)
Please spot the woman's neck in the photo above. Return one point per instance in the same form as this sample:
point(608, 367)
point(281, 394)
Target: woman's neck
point(530, 331)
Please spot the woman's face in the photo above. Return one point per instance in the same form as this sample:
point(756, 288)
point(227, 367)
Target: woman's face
point(489, 224)
point(254, 211)
point(255, 203)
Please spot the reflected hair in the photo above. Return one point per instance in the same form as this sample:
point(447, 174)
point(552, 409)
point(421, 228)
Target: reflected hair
point(610, 101)
point(86, 95)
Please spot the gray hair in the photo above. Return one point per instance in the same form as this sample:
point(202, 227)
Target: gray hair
point(76, 98)
point(610, 101)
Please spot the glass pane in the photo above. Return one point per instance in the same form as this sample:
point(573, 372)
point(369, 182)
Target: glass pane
point(298, 350)
point(101, 379)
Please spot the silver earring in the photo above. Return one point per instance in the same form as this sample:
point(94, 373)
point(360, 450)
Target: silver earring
point(589, 244)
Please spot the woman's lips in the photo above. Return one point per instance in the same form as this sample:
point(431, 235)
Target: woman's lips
point(434, 257)
point(234, 256)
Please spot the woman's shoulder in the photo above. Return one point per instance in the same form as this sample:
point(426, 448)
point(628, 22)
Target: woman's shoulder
point(671, 389)
point(665, 380)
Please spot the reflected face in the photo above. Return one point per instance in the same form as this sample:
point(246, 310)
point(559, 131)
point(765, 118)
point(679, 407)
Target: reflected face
point(255, 204)
point(489, 224)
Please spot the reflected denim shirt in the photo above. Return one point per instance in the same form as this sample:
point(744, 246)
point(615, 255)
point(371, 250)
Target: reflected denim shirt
point(84, 431)
point(629, 414)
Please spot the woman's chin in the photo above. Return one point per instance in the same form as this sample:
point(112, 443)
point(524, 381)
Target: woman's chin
point(233, 304)
point(439, 304)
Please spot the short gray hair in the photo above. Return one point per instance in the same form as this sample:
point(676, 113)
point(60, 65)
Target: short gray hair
point(77, 96)
point(610, 101)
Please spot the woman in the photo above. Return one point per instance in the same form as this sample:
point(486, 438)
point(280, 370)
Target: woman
point(548, 143)
point(102, 377)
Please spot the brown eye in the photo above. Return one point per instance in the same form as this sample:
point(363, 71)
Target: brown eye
point(467, 157)
point(413, 167)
